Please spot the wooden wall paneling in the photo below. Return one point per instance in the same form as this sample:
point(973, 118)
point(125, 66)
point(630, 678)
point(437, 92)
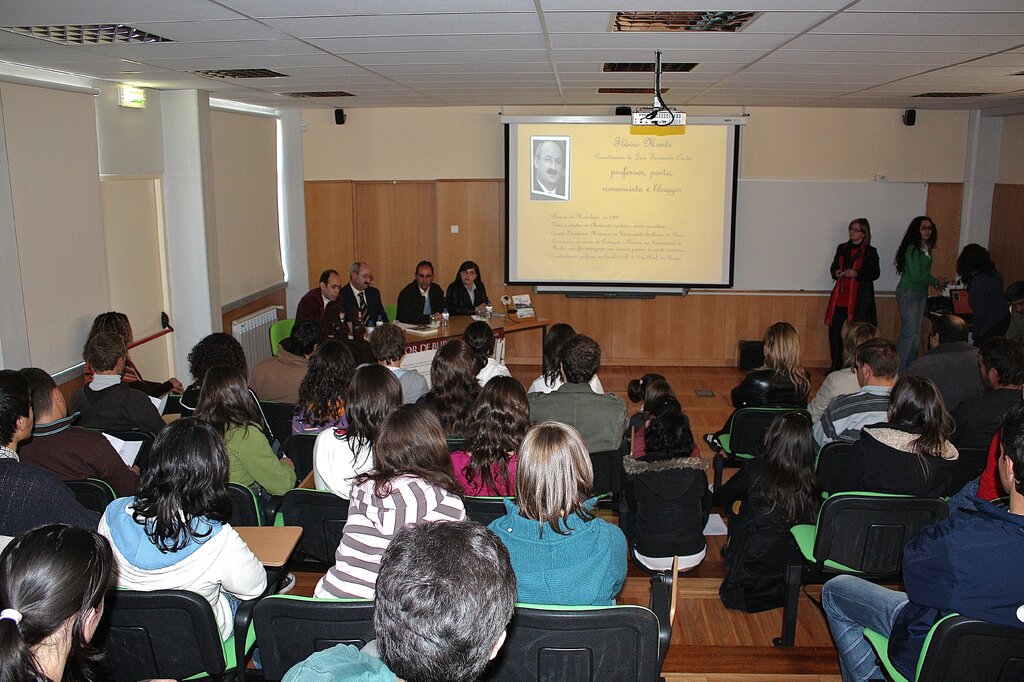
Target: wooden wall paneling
point(394, 229)
point(476, 207)
point(329, 228)
point(943, 206)
point(1007, 227)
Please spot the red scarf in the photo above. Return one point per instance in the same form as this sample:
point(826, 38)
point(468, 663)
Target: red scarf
point(844, 293)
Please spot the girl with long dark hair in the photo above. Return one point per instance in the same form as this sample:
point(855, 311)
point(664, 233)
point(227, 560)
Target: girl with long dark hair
point(855, 269)
point(228, 406)
point(411, 481)
point(212, 350)
point(909, 455)
point(175, 535)
point(775, 491)
point(321, 403)
point(551, 378)
point(480, 339)
point(501, 417)
point(977, 270)
point(454, 387)
point(467, 294)
point(914, 265)
point(52, 583)
point(340, 455)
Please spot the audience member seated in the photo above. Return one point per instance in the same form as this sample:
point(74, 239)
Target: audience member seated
point(952, 363)
point(909, 455)
point(106, 402)
point(340, 455)
point(781, 382)
point(454, 387)
point(480, 339)
point(321, 403)
point(670, 497)
point(976, 419)
point(227, 405)
point(1015, 297)
point(655, 409)
point(561, 552)
point(968, 563)
point(29, 496)
point(277, 379)
point(175, 535)
point(647, 390)
point(321, 305)
point(551, 378)
point(212, 350)
point(70, 452)
point(467, 294)
point(411, 482)
point(445, 595)
point(52, 583)
point(421, 300)
point(388, 345)
point(977, 271)
point(117, 323)
point(599, 419)
point(843, 381)
point(775, 491)
point(500, 419)
point(875, 366)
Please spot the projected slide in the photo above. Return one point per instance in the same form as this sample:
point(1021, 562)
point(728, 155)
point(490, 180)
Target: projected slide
point(595, 205)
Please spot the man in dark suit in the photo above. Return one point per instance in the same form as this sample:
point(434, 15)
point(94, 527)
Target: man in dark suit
point(360, 300)
point(312, 304)
point(421, 300)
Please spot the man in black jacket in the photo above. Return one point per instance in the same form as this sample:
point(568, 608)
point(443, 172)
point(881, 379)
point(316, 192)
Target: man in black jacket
point(421, 300)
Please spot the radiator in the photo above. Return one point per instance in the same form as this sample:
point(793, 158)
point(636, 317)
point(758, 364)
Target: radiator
point(253, 332)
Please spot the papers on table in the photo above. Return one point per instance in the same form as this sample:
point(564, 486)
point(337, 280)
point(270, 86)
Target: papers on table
point(127, 449)
point(418, 329)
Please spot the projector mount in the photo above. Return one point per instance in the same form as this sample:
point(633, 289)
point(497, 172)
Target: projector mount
point(659, 114)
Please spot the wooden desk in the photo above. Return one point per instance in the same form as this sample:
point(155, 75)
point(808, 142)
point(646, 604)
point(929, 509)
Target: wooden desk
point(457, 327)
point(272, 545)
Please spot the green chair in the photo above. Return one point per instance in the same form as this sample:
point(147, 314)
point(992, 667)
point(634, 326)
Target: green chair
point(961, 648)
point(483, 510)
point(742, 441)
point(92, 493)
point(860, 533)
point(279, 331)
point(391, 310)
point(322, 515)
point(290, 629)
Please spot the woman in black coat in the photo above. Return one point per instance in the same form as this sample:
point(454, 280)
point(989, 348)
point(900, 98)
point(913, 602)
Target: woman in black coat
point(458, 297)
point(855, 269)
point(776, 491)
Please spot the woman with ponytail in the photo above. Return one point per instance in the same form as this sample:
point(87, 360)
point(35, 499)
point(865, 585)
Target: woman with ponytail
point(52, 582)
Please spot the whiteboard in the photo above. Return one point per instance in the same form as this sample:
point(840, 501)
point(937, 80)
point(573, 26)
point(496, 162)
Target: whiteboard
point(787, 231)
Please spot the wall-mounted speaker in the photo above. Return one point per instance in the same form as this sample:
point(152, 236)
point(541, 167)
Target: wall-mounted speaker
point(910, 117)
point(339, 117)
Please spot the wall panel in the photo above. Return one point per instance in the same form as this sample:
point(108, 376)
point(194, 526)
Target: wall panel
point(329, 227)
point(1006, 238)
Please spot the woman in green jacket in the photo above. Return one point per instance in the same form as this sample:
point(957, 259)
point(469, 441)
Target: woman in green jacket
point(914, 265)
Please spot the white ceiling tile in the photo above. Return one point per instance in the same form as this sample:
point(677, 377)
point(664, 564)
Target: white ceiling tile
point(665, 42)
point(65, 12)
point(430, 43)
point(929, 24)
point(407, 25)
point(972, 44)
point(313, 8)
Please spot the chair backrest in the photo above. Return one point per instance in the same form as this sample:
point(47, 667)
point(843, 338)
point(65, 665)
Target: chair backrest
point(245, 508)
point(578, 643)
point(391, 310)
point(322, 515)
point(967, 467)
point(290, 629)
point(749, 425)
point(456, 443)
point(961, 648)
point(828, 461)
point(608, 472)
point(299, 449)
point(279, 331)
point(163, 634)
point(866, 532)
point(92, 493)
point(279, 419)
point(134, 435)
point(483, 510)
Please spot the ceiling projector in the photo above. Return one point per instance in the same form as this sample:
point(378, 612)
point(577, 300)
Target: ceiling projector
point(661, 116)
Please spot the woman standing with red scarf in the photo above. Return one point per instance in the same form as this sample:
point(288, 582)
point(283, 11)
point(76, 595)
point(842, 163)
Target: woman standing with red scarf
point(855, 268)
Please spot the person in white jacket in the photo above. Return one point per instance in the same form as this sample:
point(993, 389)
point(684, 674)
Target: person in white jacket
point(174, 534)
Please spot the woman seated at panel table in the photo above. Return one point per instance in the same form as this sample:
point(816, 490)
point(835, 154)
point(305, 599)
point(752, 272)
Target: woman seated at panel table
point(467, 294)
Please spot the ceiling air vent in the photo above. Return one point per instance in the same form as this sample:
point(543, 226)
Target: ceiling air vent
point(647, 67)
point(324, 93)
point(628, 91)
point(239, 73)
point(88, 34)
point(728, 22)
point(955, 94)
